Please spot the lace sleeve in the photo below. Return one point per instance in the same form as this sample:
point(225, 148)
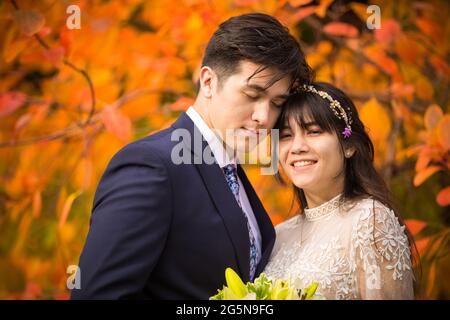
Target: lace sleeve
point(382, 255)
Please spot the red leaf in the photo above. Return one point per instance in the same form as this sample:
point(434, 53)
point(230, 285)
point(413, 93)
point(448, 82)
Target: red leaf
point(11, 101)
point(30, 22)
point(443, 197)
point(303, 13)
point(341, 29)
point(116, 123)
point(389, 31)
point(415, 226)
point(55, 55)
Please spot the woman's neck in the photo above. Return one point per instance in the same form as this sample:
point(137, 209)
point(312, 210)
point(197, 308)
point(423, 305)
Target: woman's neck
point(317, 198)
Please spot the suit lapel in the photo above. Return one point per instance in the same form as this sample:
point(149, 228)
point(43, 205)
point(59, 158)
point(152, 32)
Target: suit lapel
point(222, 197)
point(264, 222)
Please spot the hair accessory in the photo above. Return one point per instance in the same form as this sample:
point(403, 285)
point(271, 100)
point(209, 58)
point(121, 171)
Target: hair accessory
point(335, 106)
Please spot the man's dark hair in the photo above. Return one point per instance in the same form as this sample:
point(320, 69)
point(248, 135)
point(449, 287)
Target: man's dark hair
point(261, 39)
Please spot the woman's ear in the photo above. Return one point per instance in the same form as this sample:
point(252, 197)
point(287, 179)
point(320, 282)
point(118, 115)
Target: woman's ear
point(349, 152)
point(206, 79)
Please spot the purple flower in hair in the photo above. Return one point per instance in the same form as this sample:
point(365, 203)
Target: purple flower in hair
point(347, 132)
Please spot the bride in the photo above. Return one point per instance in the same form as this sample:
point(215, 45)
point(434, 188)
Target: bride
point(346, 236)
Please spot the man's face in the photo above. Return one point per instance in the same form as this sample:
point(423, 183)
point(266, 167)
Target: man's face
point(243, 107)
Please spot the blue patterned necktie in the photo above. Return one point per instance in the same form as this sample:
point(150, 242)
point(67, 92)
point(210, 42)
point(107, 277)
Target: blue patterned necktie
point(232, 180)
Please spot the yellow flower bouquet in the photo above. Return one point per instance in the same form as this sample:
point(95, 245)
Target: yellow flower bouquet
point(262, 289)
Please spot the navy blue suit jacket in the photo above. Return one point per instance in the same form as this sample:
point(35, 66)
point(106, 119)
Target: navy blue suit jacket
point(164, 231)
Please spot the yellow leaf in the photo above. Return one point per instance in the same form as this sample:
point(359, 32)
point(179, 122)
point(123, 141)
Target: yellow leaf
point(423, 175)
point(425, 88)
point(67, 206)
point(431, 280)
point(376, 118)
point(322, 8)
point(432, 116)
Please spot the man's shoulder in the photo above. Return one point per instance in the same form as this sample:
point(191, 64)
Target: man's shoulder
point(156, 146)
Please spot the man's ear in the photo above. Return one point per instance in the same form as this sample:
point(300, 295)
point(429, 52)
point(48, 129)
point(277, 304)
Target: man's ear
point(349, 152)
point(208, 80)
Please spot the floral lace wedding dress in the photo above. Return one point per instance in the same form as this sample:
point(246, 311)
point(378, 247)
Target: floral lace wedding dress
point(354, 251)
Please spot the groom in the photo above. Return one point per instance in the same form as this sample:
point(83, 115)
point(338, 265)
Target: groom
point(164, 230)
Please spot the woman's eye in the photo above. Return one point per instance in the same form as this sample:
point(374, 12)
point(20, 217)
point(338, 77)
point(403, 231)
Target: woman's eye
point(314, 132)
point(284, 135)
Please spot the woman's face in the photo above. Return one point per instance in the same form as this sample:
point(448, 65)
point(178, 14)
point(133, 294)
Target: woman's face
point(312, 158)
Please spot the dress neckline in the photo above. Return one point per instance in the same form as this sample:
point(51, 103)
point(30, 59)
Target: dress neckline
point(324, 210)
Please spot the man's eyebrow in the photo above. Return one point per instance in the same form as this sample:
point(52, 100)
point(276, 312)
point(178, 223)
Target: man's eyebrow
point(261, 89)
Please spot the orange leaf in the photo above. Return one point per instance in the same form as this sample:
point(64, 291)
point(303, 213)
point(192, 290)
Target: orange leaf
point(389, 31)
point(298, 3)
point(423, 175)
point(116, 123)
point(55, 55)
point(341, 29)
point(322, 8)
point(30, 22)
point(432, 116)
point(440, 65)
point(403, 90)
point(415, 226)
point(37, 204)
point(424, 159)
point(181, 104)
point(430, 28)
point(443, 197)
point(11, 101)
point(443, 132)
point(378, 55)
point(377, 119)
point(422, 244)
point(409, 50)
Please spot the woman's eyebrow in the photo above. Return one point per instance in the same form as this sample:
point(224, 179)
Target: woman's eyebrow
point(310, 124)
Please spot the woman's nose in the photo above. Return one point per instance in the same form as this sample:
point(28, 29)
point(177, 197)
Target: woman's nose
point(299, 143)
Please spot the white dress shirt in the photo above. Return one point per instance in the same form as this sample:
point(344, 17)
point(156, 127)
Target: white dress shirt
point(223, 159)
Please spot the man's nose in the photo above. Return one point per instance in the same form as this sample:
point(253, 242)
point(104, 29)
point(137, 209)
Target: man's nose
point(261, 114)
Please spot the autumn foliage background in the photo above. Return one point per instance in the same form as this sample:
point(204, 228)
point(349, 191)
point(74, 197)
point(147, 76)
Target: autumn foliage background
point(70, 99)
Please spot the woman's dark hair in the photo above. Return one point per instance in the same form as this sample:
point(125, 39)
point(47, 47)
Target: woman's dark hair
point(258, 38)
point(361, 179)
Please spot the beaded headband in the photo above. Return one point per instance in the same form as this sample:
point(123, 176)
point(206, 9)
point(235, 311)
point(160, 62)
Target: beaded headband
point(338, 110)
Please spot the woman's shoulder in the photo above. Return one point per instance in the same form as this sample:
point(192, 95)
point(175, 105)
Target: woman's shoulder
point(370, 212)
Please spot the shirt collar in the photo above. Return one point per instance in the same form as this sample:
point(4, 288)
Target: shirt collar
point(214, 141)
